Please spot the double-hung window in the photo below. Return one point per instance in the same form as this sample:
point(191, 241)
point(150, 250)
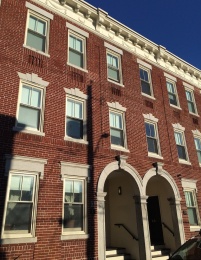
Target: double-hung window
point(198, 148)
point(192, 209)
point(152, 137)
point(113, 67)
point(181, 145)
point(74, 118)
point(20, 208)
point(172, 93)
point(76, 50)
point(116, 128)
point(145, 79)
point(191, 101)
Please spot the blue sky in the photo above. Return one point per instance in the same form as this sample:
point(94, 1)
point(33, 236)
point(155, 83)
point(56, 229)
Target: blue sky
point(174, 24)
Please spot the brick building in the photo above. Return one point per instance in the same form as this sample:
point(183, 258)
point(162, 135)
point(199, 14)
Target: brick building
point(100, 141)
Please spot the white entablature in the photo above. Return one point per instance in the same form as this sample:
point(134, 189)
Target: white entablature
point(99, 22)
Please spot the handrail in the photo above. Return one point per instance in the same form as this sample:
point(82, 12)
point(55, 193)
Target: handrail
point(122, 225)
point(168, 228)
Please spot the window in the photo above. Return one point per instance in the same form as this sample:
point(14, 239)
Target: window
point(172, 93)
point(30, 107)
point(152, 137)
point(181, 145)
point(145, 81)
point(116, 128)
point(74, 176)
point(77, 50)
point(74, 118)
point(191, 204)
point(20, 209)
point(73, 205)
point(198, 148)
point(113, 67)
point(191, 101)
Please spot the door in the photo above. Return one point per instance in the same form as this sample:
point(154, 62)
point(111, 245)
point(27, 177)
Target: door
point(155, 226)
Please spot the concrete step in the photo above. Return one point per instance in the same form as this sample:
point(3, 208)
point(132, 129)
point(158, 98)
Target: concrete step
point(163, 257)
point(117, 254)
point(159, 252)
point(114, 251)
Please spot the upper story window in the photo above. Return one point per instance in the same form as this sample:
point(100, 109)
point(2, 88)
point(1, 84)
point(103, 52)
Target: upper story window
point(180, 142)
point(145, 78)
point(172, 90)
point(114, 70)
point(197, 140)
point(31, 101)
point(75, 115)
point(37, 29)
point(191, 101)
point(77, 47)
point(152, 135)
point(117, 126)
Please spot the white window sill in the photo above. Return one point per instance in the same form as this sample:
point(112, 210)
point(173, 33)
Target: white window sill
point(154, 155)
point(19, 240)
point(74, 236)
point(33, 49)
point(116, 83)
point(194, 228)
point(18, 129)
point(148, 96)
point(184, 162)
point(177, 107)
point(81, 141)
point(194, 114)
point(119, 148)
point(79, 68)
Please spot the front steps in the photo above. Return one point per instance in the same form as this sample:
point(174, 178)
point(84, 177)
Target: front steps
point(117, 254)
point(159, 252)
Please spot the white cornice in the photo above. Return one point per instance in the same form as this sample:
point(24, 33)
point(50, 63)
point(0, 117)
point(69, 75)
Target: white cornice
point(100, 23)
point(150, 117)
point(116, 105)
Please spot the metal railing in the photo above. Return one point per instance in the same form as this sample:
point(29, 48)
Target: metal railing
point(165, 226)
point(122, 225)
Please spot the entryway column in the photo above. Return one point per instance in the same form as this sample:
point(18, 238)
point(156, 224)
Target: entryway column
point(101, 224)
point(143, 227)
point(177, 221)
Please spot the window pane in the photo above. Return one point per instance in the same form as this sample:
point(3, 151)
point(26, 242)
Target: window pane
point(77, 191)
point(70, 107)
point(18, 217)
point(27, 188)
point(181, 152)
point(15, 188)
point(25, 96)
point(68, 197)
point(144, 75)
point(28, 117)
point(189, 96)
point(172, 99)
point(35, 41)
point(192, 216)
point(76, 58)
point(36, 97)
point(78, 110)
point(199, 156)
point(146, 87)
point(191, 107)
point(197, 143)
point(78, 45)
point(189, 199)
point(150, 130)
point(113, 74)
point(74, 128)
point(41, 25)
point(116, 137)
point(109, 59)
point(178, 138)
point(152, 145)
point(170, 87)
point(73, 216)
point(32, 23)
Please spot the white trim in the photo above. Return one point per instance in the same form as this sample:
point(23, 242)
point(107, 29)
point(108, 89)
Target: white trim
point(186, 85)
point(154, 155)
point(77, 30)
point(75, 236)
point(75, 92)
point(179, 127)
point(113, 48)
point(33, 78)
point(144, 64)
point(189, 183)
point(28, 131)
point(196, 133)
point(182, 161)
point(24, 240)
point(33, 49)
point(24, 163)
point(68, 169)
point(150, 117)
point(117, 106)
point(170, 77)
point(148, 96)
point(39, 10)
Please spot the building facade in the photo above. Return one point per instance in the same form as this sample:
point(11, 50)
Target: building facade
point(100, 141)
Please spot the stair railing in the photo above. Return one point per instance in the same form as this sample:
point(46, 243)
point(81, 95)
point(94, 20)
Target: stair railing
point(122, 225)
point(165, 226)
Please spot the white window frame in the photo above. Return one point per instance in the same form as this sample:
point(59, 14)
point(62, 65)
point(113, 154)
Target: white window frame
point(21, 165)
point(197, 135)
point(150, 119)
point(149, 81)
point(79, 172)
point(119, 69)
point(172, 80)
point(79, 96)
point(189, 185)
point(181, 130)
point(83, 39)
point(116, 108)
point(190, 90)
point(33, 81)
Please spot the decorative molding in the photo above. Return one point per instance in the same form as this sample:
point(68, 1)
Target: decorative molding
point(196, 132)
point(170, 77)
point(178, 127)
point(33, 78)
point(76, 29)
point(39, 10)
point(113, 48)
point(75, 92)
point(148, 66)
point(74, 169)
point(117, 106)
point(24, 163)
point(189, 183)
point(188, 86)
point(150, 117)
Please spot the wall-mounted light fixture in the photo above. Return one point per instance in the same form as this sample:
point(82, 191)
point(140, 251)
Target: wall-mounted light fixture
point(155, 165)
point(119, 190)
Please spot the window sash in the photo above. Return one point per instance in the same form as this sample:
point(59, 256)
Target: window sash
point(190, 101)
point(152, 138)
point(145, 82)
point(113, 67)
point(76, 49)
point(191, 207)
